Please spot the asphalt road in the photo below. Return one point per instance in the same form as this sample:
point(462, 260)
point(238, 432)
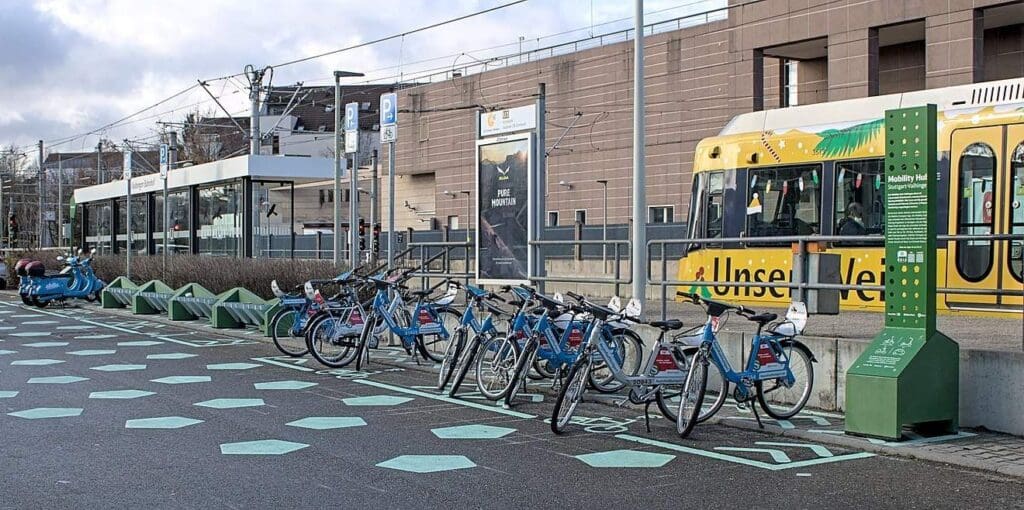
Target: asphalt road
point(378, 439)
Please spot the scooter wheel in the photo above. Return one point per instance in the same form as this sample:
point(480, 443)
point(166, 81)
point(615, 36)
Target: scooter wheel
point(40, 304)
point(26, 300)
point(92, 298)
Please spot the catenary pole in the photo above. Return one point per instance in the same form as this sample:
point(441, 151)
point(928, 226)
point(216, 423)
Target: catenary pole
point(391, 204)
point(639, 177)
point(39, 227)
point(337, 169)
point(373, 206)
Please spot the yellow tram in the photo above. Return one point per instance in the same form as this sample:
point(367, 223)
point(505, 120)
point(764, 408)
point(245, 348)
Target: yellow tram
point(818, 169)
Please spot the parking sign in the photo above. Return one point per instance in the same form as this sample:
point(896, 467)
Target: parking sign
point(352, 128)
point(388, 118)
point(164, 161)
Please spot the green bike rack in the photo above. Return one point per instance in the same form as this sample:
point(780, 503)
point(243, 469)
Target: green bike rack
point(152, 297)
point(909, 375)
point(237, 308)
point(191, 302)
point(268, 314)
point(118, 294)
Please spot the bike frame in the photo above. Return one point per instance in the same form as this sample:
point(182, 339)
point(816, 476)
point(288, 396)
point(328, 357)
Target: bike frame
point(599, 339)
point(385, 309)
point(778, 368)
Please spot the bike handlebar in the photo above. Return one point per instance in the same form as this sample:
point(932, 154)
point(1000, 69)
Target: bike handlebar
point(697, 299)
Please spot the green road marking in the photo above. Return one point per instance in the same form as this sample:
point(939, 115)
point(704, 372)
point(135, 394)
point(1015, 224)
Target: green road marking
point(327, 422)
point(75, 328)
point(3, 352)
point(8, 394)
point(232, 366)
point(171, 355)
point(30, 334)
point(47, 412)
point(625, 459)
point(472, 432)
point(376, 400)
point(94, 337)
point(741, 460)
point(92, 352)
point(36, 362)
point(821, 451)
point(37, 323)
point(444, 398)
point(293, 363)
point(427, 463)
point(57, 379)
point(182, 379)
point(263, 447)
point(118, 368)
point(284, 385)
point(778, 456)
point(46, 344)
point(139, 343)
point(165, 422)
point(231, 403)
point(120, 394)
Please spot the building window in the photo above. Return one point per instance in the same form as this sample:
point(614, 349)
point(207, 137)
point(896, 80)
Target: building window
point(552, 218)
point(453, 222)
point(661, 214)
point(789, 83)
point(784, 201)
point(581, 216)
point(860, 198)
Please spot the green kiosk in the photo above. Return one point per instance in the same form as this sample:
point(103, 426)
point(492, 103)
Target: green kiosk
point(909, 374)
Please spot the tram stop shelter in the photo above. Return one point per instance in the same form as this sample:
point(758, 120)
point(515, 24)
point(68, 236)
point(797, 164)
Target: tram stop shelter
point(237, 207)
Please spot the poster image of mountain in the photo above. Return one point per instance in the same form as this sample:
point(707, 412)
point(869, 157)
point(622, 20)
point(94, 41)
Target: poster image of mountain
point(503, 180)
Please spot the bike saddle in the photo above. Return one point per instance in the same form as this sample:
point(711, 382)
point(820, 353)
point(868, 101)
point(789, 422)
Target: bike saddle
point(763, 318)
point(667, 325)
point(419, 293)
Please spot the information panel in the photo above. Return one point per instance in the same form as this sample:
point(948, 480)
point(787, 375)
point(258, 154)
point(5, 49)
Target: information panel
point(504, 166)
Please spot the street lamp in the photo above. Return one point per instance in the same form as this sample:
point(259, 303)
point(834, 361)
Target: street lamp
point(604, 226)
point(469, 208)
point(338, 75)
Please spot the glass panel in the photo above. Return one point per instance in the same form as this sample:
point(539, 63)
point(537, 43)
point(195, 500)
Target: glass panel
point(715, 207)
point(694, 224)
point(220, 219)
point(860, 198)
point(1016, 254)
point(977, 195)
point(784, 201)
point(97, 233)
point(271, 221)
point(179, 231)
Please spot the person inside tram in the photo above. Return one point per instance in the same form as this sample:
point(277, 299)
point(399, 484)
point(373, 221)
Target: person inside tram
point(853, 223)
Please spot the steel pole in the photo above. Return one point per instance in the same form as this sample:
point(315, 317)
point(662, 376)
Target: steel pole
point(373, 206)
point(639, 178)
point(60, 200)
point(128, 229)
point(391, 204)
point(353, 212)
point(39, 227)
point(337, 170)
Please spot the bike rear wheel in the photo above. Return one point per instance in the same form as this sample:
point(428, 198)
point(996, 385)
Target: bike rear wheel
point(282, 327)
point(778, 400)
point(571, 394)
point(494, 365)
point(693, 395)
point(451, 358)
point(434, 347)
point(628, 348)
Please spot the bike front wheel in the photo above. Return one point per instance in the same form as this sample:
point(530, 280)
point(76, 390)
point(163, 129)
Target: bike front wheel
point(463, 364)
point(451, 358)
point(325, 344)
point(282, 327)
point(692, 398)
point(780, 401)
point(494, 366)
point(526, 358)
point(627, 347)
point(434, 347)
point(715, 393)
point(571, 394)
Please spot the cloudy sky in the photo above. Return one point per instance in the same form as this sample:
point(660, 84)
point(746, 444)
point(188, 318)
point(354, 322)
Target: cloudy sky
point(69, 67)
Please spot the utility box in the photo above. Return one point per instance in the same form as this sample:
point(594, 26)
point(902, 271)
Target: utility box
point(819, 267)
point(910, 374)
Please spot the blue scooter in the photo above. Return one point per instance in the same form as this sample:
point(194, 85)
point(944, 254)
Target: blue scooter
point(83, 283)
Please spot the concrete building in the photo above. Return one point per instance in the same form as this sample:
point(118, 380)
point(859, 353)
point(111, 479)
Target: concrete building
point(700, 72)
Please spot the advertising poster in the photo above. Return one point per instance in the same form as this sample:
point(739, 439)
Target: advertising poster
point(503, 186)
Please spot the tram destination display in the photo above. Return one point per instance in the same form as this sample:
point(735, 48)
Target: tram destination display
point(503, 183)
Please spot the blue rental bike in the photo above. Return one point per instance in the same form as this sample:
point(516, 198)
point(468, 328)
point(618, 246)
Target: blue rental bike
point(479, 319)
point(778, 369)
point(289, 325)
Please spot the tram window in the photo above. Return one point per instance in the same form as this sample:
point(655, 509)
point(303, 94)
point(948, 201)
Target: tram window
point(1016, 252)
point(715, 206)
point(976, 201)
point(860, 198)
point(784, 201)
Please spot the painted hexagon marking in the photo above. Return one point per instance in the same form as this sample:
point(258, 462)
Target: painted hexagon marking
point(164, 422)
point(46, 344)
point(139, 343)
point(94, 337)
point(328, 422)
point(57, 379)
point(231, 403)
point(47, 412)
point(261, 447)
point(8, 394)
point(36, 362)
point(472, 432)
point(625, 459)
point(376, 400)
point(284, 385)
point(182, 379)
point(232, 366)
point(120, 394)
point(37, 323)
point(3, 352)
point(428, 463)
point(171, 355)
point(75, 328)
point(92, 352)
point(118, 367)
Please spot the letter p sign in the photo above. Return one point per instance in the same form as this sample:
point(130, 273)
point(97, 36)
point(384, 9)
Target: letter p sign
point(388, 109)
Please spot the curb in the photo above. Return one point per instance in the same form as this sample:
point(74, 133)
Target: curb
point(837, 440)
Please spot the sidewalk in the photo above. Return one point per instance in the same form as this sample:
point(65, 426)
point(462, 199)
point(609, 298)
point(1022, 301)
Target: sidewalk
point(973, 449)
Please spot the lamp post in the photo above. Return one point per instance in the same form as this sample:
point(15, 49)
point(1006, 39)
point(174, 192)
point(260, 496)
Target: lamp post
point(338, 154)
point(604, 226)
point(469, 211)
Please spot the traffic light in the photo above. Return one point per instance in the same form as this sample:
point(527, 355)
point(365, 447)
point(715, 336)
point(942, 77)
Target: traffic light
point(376, 239)
point(362, 235)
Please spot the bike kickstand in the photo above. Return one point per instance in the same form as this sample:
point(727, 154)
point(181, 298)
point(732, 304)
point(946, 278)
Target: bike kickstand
point(647, 416)
point(757, 417)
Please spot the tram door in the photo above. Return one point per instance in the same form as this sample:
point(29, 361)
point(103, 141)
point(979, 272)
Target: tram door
point(982, 188)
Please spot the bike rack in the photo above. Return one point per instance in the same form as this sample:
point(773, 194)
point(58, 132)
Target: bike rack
point(237, 308)
point(152, 297)
point(191, 302)
point(118, 294)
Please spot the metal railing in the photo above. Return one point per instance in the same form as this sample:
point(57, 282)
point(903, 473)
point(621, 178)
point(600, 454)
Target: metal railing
point(616, 279)
point(799, 281)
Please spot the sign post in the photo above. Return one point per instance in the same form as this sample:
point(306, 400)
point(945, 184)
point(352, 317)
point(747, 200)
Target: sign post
point(389, 135)
point(352, 148)
point(165, 165)
point(909, 374)
point(127, 176)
